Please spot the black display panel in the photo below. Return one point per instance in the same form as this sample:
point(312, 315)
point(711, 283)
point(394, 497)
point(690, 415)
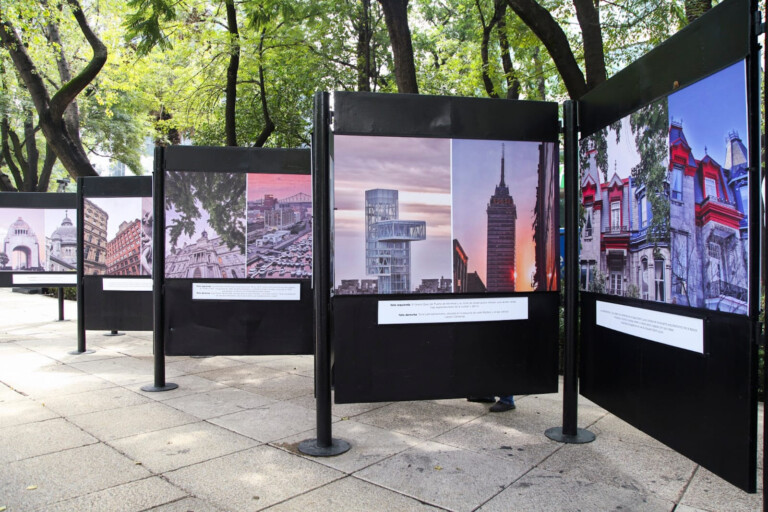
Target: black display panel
point(38, 239)
point(444, 243)
point(116, 251)
point(237, 251)
point(667, 266)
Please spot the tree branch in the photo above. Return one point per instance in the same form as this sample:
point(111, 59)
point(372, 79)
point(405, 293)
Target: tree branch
point(7, 156)
point(592, 36)
point(45, 173)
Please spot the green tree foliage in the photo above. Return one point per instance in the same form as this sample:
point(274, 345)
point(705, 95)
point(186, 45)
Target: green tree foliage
point(650, 127)
point(221, 195)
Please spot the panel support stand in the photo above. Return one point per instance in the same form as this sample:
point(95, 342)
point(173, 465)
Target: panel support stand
point(324, 445)
point(113, 332)
point(158, 273)
point(61, 304)
point(80, 271)
point(569, 432)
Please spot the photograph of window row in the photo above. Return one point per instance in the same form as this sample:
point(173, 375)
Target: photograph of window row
point(426, 216)
point(117, 236)
point(38, 240)
point(665, 199)
point(238, 226)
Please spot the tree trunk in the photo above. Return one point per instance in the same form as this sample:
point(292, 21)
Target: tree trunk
point(544, 26)
point(230, 102)
point(696, 8)
point(513, 84)
point(396, 18)
point(364, 34)
point(51, 110)
point(33, 155)
point(592, 36)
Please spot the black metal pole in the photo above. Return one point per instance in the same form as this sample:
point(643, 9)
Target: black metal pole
point(61, 304)
point(158, 276)
point(324, 445)
point(569, 432)
point(80, 271)
point(764, 252)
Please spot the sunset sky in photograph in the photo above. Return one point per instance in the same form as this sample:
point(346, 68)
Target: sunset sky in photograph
point(279, 185)
point(419, 168)
point(476, 172)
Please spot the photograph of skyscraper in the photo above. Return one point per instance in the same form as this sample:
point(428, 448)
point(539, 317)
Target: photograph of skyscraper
point(279, 226)
point(123, 234)
point(392, 215)
point(504, 216)
point(205, 225)
point(21, 236)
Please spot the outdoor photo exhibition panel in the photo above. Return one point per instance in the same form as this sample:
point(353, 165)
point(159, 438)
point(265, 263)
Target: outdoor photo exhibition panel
point(236, 267)
point(669, 243)
point(39, 239)
point(115, 229)
point(444, 263)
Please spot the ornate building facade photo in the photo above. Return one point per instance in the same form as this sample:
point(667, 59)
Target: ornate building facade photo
point(94, 239)
point(61, 247)
point(124, 250)
point(205, 258)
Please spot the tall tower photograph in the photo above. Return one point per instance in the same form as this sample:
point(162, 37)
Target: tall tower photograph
point(502, 218)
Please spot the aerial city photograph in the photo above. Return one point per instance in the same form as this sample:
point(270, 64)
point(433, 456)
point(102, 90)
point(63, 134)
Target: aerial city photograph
point(279, 226)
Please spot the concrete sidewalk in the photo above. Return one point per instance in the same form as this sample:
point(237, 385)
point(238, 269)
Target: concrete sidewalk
point(76, 433)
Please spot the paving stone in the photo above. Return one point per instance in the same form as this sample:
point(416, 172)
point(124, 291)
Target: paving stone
point(187, 505)
point(65, 474)
point(252, 479)
point(442, 475)
point(283, 387)
point(190, 365)
point(240, 376)
point(643, 469)
point(18, 412)
point(291, 364)
point(173, 448)
point(352, 495)
point(55, 349)
point(711, 493)
point(424, 420)
point(129, 421)
point(58, 380)
point(217, 403)
point(547, 491)
point(369, 445)
point(32, 439)
point(612, 427)
point(138, 495)
point(124, 370)
point(188, 385)
point(93, 401)
point(8, 394)
point(340, 410)
point(270, 422)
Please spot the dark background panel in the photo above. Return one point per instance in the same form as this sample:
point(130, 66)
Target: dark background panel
point(205, 327)
point(374, 363)
point(117, 186)
point(6, 280)
point(229, 159)
point(38, 200)
point(115, 310)
point(714, 42)
point(411, 115)
point(703, 406)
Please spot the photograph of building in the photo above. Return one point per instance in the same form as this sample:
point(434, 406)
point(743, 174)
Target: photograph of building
point(205, 219)
point(123, 234)
point(669, 223)
point(21, 232)
point(147, 224)
point(279, 229)
point(392, 215)
point(60, 241)
point(94, 239)
point(505, 203)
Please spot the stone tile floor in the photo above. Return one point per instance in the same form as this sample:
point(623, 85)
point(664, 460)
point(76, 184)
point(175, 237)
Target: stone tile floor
point(76, 433)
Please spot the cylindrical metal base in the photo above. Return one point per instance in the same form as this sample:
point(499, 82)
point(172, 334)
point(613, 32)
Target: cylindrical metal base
point(114, 333)
point(310, 447)
point(582, 436)
point(151, 388)
point(77, 353)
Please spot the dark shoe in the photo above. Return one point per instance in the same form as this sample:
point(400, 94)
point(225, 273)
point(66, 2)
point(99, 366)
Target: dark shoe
point(501, 407)
point(481, 399)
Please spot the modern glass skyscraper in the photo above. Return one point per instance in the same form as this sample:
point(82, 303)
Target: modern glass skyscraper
point(388, 241)
point(502, 216)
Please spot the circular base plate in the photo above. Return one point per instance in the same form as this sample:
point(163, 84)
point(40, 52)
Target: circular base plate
point(114, 333)
point(151, 388)
point(76, 353)
point(200, 357)
point(582, 436)
point(310, 447)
